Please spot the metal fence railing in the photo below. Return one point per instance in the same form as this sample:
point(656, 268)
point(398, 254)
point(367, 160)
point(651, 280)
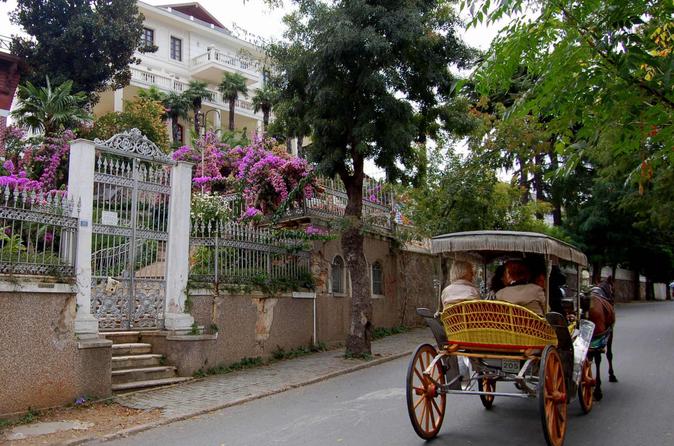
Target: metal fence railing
point(237, 253)
point(38, 235)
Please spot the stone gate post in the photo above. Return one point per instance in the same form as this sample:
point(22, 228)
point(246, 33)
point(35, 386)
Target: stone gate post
point(81, 191)
point(178, 251)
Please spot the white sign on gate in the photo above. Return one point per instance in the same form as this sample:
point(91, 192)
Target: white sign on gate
point(109, 218)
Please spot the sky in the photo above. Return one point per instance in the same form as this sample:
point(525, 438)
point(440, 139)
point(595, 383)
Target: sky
point(257, 18)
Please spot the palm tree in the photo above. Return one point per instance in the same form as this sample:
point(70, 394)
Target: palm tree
point(177, 106)
point(195, 93)
point(264, 100)
point(50, 110)
point(232, 84)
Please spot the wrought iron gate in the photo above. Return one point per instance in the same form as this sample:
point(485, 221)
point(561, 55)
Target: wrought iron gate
point(132, 187)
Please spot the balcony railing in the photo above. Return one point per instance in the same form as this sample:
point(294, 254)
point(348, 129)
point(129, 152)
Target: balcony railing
point(168, 83)
point(5, 43)
point(218, 57)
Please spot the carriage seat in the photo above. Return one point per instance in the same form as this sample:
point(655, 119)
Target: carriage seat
point(489, 325)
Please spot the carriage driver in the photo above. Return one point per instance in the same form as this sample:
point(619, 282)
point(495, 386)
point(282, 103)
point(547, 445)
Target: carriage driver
point(461, 285)
point(519, 291)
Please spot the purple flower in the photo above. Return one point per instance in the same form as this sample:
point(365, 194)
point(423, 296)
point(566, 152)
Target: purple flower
point(48, 237)
point(9, 166)
point(252, 212)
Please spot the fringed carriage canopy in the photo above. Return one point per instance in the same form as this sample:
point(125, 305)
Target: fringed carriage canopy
point(491, 244)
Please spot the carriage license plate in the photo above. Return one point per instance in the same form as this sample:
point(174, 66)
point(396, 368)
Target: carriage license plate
point(510, 365)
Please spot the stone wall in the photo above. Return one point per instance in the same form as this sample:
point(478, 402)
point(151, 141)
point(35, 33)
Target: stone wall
point(247, 326)
point(255, 325)
point(42, 364)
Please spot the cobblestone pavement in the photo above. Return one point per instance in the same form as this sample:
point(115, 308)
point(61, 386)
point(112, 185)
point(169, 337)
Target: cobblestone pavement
point(219, 391)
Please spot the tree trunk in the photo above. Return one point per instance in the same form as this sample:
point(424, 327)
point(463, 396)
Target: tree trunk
point(555, 195)
point(174, 129)
point(523, 180)
point(538, 182)
point(232, 106)
point(637, 285)
point(265, 121)
point(359, 338)
point(596, 273)
point(196, 121)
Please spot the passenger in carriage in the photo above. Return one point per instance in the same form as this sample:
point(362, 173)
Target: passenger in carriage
point(519, 291)
point(461, 285)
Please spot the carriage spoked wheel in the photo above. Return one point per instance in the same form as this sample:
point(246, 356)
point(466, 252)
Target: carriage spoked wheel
point(425, 401)
point(486, 385)
point(586, 386)
point(552, 396)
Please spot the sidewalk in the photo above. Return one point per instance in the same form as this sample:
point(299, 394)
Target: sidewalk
point(215, 392)
point(220, 391)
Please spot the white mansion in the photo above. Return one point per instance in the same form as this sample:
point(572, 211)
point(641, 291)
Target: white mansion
point(192, 45)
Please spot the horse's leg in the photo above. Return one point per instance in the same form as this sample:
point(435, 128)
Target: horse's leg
point(609, 356)
point(598, 395)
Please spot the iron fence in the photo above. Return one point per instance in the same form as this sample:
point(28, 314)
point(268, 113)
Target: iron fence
point(237, 253)
point(38, 233)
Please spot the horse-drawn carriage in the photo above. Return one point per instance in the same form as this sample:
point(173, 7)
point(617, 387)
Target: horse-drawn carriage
point(499, 342)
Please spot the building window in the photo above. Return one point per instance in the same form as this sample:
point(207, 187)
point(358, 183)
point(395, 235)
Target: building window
point(148, 37)
point(338, 275)
point(377, 279)
point(176, 49)
point(179, 133)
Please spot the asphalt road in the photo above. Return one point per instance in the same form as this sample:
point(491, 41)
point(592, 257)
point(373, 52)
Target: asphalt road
point(368, 407)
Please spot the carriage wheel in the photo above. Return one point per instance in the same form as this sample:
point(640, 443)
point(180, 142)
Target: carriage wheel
point(486, 385)
point(552, 396)
point(425, 401)
point(586, 386)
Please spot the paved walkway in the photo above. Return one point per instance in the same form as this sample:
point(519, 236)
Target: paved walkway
point(219, 391)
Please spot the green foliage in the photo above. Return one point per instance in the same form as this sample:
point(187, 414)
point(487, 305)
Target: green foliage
point(382, 332)
point(196, 93)
point(50, 110)
point(89, 42)
point(601, 77)
point(245, 363)
point(30, 416)
point(236, 138)
point(143, 113)
point(264, 99)
point(210, 207)
point(194, 329)
point(281, 354)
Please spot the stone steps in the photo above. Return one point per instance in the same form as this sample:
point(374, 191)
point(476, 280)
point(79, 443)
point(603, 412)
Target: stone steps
point(143, 374)
point(122, 337)
point(131, 348)
point(134, 366)
point(135, 361)
point(149, 383)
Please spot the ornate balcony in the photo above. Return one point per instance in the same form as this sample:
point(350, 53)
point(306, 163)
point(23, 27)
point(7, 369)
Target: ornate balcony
point(210, 65)
point(145, 78)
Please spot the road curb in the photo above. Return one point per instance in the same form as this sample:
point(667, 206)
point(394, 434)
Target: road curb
point(144, 427)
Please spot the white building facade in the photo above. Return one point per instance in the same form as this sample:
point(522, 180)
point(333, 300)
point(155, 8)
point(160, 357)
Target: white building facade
point(192, 45)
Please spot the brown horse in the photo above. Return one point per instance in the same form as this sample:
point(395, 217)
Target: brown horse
point(602, 313)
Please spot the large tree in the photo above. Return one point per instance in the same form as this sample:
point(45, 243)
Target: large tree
point(90, 42)
point(368, 68)
point(196, 92)
point(602, 72)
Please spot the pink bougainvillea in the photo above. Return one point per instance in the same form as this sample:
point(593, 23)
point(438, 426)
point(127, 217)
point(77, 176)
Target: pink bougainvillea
point(34, 165)
point(266, 178)
point(210, 162)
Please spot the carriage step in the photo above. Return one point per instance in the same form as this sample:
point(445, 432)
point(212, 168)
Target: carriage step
point(131, 348)
point(135, 361)
point(143, 374)
point(149, 383)
point(122, 337)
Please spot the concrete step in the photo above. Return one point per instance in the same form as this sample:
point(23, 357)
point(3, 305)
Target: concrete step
point(149, 383)
point(131, 348)
point(143, 374)
point(135, 361)
point(122, 337)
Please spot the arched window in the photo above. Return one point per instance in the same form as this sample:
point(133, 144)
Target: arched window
point(377, 279)
point(338, 275)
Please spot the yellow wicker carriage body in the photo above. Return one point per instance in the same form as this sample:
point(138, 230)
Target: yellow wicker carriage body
point(496, 325)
